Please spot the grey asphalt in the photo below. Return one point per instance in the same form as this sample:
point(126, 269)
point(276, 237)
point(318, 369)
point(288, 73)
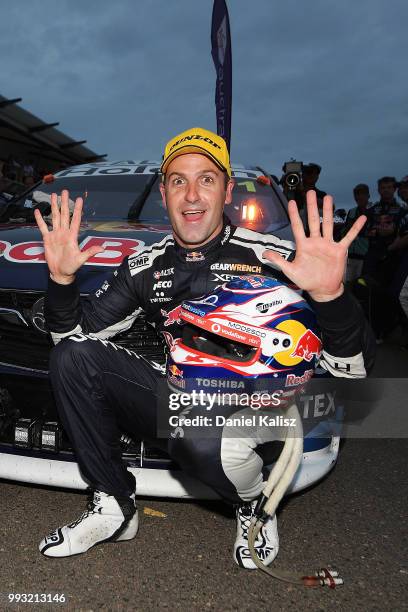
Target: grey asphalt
point(355, 520)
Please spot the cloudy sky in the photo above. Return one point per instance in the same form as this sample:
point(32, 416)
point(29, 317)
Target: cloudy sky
point(319, 81)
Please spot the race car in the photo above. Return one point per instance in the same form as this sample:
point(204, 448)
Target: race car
point(123, 212)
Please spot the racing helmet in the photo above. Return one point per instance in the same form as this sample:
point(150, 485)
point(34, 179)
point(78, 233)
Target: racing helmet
point(252, 334)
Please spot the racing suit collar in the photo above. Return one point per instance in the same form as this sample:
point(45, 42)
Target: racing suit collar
point(198, 254)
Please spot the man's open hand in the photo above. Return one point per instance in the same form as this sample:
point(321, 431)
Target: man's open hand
point(319, 264)
point(62, 251)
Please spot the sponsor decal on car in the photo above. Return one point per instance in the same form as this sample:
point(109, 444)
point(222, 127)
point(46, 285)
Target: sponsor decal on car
point(3, 246)
point(109, 169)
point(115, 249)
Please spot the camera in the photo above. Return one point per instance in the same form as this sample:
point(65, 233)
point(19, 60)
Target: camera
point(292, 176)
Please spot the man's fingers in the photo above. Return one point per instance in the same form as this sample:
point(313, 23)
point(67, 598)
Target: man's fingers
point(295, 221)
point(76, 216)
point(55, 212)
point(278, 261)
point(85, 255)
point(42, 226)
point(327, 224)
point(64, 212)
point(313, 217)
point(353, 231)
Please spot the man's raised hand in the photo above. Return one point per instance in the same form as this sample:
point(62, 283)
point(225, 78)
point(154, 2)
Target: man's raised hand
point(319, 264)
point(61, 247)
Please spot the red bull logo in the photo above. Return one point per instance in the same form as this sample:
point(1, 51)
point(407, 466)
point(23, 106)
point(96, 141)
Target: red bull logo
point(308, 346)
point(195, 256)
point(293, 381)
point(172, 316)
point(175, 371)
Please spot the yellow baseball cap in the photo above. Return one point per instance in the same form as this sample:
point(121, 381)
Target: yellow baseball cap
point(198, 140)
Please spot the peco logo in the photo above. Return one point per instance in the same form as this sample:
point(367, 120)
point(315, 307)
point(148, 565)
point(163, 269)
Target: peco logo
point(162, 285)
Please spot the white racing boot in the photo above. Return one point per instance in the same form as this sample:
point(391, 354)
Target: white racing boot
point(266, 544)
point(106, 518)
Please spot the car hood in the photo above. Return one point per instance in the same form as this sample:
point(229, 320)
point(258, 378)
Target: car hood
point(22, 262)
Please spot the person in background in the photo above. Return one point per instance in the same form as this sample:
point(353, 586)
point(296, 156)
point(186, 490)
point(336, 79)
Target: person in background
point(382, 260)
point(382, 229)
point(403, 191)
point(359, 247)
point(399, 247)
point(310, 176)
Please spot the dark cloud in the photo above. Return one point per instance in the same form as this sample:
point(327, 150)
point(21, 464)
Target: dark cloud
point(323, 80)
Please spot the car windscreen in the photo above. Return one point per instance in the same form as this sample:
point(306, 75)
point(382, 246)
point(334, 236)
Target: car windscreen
point(105, 197)
point(137, 197)
point(256, 205)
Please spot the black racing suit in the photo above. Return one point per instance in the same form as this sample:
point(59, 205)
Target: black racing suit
point(101, 388)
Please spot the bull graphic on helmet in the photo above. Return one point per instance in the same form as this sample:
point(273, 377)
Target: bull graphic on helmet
point(254, 329)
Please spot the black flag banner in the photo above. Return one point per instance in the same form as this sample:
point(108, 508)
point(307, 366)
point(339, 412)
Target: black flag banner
point(221, 53)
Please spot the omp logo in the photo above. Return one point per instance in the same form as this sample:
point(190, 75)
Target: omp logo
point(195, 137)
point(138, 262)
point(263, 553)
